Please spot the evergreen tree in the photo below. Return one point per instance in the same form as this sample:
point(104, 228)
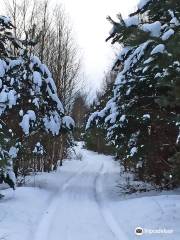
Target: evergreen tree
point(29, 105)
point(95, 137)
point(80, 109)
point(142, 115)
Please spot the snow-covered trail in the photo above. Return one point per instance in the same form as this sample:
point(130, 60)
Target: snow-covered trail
point(88, 205)
point(78, 210)
point(82, 201)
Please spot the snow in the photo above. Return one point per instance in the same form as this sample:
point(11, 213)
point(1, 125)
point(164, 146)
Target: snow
point(2, 67)
point(122, 118)
point(123, 53)
point(5, 19)
point(14, 63)
point(178, 138)
point(37, 78)
point(132, 21)
point(112, 30)
point(45, 70)
point(35, 61)
point(111, 106)
point(13, 152)
point(51, 84)
point(12, 98)
point(53, 123)
point(131, 60)
point(27, 118)
point(111, 118)
point(21, 113)
point(12, 81)
point(36, 102)
point(3, 96)
point(20, 212)
point(160, 48)
point(52, 91)
point(10, 172)
point(168, 34)
point(7, 98)
point(133, 151)
point(142, 3)
point(84, 200)
point(68, 122)
point(51, 87)
point(174, 20)
point(146, 116)
point(149, 60)
point(153, 28)
point(38, 149)
point(91, 119)
point(128, 91)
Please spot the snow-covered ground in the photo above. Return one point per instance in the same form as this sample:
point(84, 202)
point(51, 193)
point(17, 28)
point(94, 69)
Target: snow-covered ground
point(81, 201)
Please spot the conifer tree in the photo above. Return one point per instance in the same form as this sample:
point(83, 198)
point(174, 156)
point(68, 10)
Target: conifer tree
point(143, 113)
point(95, 137)
point(29, 105)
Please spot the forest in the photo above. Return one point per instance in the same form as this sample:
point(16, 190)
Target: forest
point(134, 116)
point(55, 138)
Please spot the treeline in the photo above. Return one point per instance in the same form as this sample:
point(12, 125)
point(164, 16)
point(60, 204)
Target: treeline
point(95, 137)
point(141, 113)
point(39, 77)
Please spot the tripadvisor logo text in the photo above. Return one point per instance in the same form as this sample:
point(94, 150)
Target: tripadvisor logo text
point(140, 231)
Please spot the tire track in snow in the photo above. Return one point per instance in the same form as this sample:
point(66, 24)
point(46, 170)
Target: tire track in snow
point(43, 228)
point(104, 209)
point(159, 206)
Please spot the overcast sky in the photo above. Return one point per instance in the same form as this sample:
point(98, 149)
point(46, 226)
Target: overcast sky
point(91, 28)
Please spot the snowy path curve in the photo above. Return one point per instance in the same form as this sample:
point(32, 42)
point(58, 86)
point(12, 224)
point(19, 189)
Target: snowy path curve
point(79, 210)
